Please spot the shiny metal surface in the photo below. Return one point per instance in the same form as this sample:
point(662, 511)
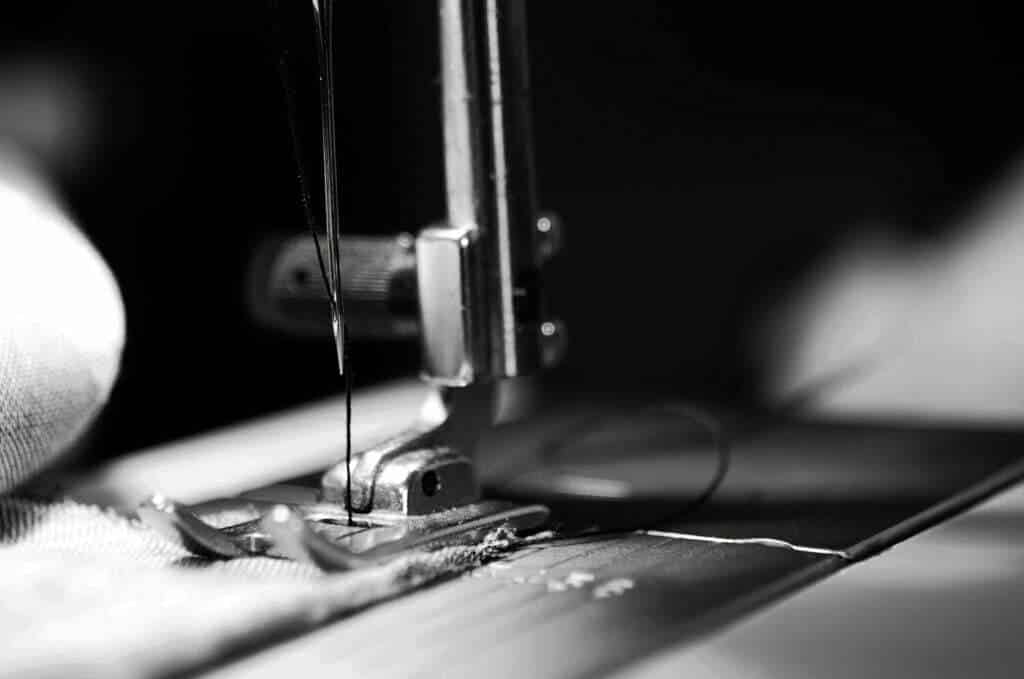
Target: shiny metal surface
point(443, 269)
point(323, 14)
point(478, 276)
point(490, 190)
point(294, 536)
point(426, 480)
point(450, 424)
point(306, 533)
point(478, 288)
point(826, 485)
point(176, 523)
point(946, 603)
point(379, 284)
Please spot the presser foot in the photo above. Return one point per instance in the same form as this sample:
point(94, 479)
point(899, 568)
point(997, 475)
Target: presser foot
point(405, 496)
point(414, 491)
point(321, 535)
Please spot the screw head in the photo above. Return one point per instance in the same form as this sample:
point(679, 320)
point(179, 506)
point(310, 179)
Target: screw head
point(553, 341)
point(549, 235)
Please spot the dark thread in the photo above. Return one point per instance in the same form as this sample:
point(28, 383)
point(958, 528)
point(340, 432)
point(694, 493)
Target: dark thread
point(846, 374)
point(348, 420)
point(721, 442)
point(314, 226)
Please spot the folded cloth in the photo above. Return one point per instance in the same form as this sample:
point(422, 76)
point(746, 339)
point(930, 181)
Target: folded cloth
point(62, 327)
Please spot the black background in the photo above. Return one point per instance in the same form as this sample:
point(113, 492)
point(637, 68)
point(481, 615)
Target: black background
point(702, 159)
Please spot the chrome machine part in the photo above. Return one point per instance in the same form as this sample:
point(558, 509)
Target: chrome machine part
point(426, 468)
point(481, 323)
point(305, 533)
point(302, 542)
point(379, 287)
point(480, 275)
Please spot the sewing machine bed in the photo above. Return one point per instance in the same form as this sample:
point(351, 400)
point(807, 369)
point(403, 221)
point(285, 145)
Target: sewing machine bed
point(597, 604)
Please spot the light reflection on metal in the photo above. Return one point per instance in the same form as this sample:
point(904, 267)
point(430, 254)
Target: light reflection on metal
point(490, 191)
point(480, 309)
point(323, 14)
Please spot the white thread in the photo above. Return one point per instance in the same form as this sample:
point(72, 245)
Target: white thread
point(765, 542)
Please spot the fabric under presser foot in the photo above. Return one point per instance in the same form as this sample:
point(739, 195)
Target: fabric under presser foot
point(69, 568)
point(303, 532)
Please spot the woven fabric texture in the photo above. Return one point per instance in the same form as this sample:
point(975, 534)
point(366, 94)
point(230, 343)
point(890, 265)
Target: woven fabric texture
point(85, 592)
point(61, 328)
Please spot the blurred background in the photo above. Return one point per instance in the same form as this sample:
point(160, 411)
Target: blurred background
point(704, 160)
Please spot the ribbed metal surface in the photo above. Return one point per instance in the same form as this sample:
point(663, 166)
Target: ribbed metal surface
point(378, 286)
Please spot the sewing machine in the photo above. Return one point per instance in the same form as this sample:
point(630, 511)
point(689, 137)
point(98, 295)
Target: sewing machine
point(802, 500)
point(469, 288)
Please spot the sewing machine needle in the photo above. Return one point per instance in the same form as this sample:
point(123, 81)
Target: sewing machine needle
point(323, 11)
